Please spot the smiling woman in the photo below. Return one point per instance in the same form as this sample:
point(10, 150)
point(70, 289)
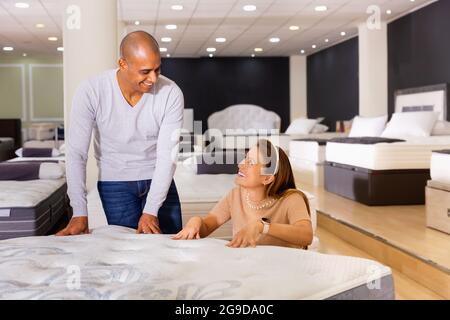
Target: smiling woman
point(265, 208)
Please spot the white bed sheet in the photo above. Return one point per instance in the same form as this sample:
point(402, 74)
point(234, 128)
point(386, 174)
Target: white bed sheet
point(413, 154)
point(27, 194)
point(440, 167)
point(115, 263)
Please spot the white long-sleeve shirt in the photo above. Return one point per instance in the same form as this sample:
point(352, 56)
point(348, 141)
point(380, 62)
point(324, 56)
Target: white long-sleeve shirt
point(130, 143)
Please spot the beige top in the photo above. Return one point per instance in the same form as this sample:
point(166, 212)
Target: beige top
point(287, 210)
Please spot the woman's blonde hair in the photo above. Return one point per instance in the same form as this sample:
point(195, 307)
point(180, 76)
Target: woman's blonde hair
point(276, 163)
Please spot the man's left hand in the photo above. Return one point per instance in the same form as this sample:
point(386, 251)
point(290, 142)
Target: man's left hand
point(148, 224)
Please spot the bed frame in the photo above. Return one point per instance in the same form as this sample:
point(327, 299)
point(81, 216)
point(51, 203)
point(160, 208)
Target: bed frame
point(377, 187)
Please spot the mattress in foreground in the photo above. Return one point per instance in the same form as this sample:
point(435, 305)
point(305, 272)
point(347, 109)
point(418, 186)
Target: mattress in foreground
point(116, 263)
point(412, 154)
point(30, 207)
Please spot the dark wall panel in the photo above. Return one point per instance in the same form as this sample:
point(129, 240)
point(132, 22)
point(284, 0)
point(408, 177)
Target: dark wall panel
point(210, 85)
point(333, 85)
point(419, 49)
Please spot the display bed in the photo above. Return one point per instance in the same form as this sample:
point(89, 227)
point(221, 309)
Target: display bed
point(378, 171)
point(117, 263)
point(31, 208)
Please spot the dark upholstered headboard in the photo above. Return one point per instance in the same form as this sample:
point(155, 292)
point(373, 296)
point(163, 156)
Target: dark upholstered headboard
point(12, 128)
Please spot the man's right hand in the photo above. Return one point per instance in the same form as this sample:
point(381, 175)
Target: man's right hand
point(77, 225)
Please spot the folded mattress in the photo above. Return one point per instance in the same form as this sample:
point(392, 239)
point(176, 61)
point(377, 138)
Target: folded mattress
point(415, 153)
point(29, 208)
point(440, 166)
point(117, 263)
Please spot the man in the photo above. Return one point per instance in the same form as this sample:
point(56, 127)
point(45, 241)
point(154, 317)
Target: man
point(135, 114)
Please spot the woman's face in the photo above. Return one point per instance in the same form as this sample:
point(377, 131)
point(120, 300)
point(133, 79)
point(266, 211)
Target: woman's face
point(250, 171)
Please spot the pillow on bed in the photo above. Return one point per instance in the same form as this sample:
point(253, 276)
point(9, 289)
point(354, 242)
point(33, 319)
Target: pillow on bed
point(301, 126)
point(410, 124)
point(24, 171)
point(38, 152)
point(319, 128)
point(441, 128)
point(367, 127)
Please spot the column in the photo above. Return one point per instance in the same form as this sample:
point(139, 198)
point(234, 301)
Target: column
point(90, 47)
point(298, 86)
point(373, 70)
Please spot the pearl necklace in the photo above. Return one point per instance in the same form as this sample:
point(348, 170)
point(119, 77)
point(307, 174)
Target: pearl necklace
point(259, 207)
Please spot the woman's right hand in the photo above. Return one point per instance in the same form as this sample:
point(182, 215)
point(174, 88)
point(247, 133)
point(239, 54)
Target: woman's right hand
point(190, 231)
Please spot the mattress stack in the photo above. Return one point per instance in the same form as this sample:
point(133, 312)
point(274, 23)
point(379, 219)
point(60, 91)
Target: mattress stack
point(438, 192)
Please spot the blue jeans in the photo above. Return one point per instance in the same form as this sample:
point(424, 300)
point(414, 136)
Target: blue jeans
point(124, 201)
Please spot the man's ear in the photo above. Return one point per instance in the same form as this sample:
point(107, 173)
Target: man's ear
point(122, 64)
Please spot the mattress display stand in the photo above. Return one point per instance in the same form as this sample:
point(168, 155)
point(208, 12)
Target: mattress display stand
point(376, 187)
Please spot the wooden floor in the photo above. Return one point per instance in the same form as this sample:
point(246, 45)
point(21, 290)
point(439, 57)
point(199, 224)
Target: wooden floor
point(400, 226)
point(405, 288)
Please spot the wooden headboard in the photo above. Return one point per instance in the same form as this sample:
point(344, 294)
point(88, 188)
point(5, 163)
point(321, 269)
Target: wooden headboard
point(12, 128)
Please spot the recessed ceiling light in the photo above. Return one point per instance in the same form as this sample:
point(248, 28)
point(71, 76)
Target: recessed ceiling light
point(211, 49)
point(168, 55)
point(24, 54)
point(162, 49)
point(412, 0)
point(60, 49)
point(302, 51)
point(221, 40)
point(211, 55)
point(166, 39)
point(343, 33)
point(52, 38)
point(313, 46)
point(326, 40)
point(274, 40)
point(321, 8)
point(8, 48)
point(294, 28)
point(249, 7)
point(253, 55)
point(22, 5)
point(171, 27)
point(388, 11)
point(40, 25)
point(258, 49)
point(177, 7)
point(137, 22)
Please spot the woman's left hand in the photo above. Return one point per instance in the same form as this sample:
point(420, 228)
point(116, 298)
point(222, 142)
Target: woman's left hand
point(247, 236)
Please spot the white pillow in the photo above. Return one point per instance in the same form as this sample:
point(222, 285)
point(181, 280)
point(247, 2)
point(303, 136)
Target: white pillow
point(319, 128)
point(62, 148)
point(367, 127)
point(191, 164)
point(410, 124)
point(301, 126)
point(441, 128)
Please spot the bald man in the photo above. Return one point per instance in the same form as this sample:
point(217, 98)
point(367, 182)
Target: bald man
point(134, 113)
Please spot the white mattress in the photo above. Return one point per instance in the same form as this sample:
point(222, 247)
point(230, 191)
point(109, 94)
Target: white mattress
point(282, 140)
point(27, 194)
point(25, 159)
point(412, 154)
point(115, 263)
point(309, 151)
point(440, 167)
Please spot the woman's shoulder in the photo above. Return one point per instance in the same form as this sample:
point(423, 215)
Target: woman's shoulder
point(293, 197)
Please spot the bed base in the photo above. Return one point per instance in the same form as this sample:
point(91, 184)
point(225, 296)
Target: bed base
point(377, 187)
